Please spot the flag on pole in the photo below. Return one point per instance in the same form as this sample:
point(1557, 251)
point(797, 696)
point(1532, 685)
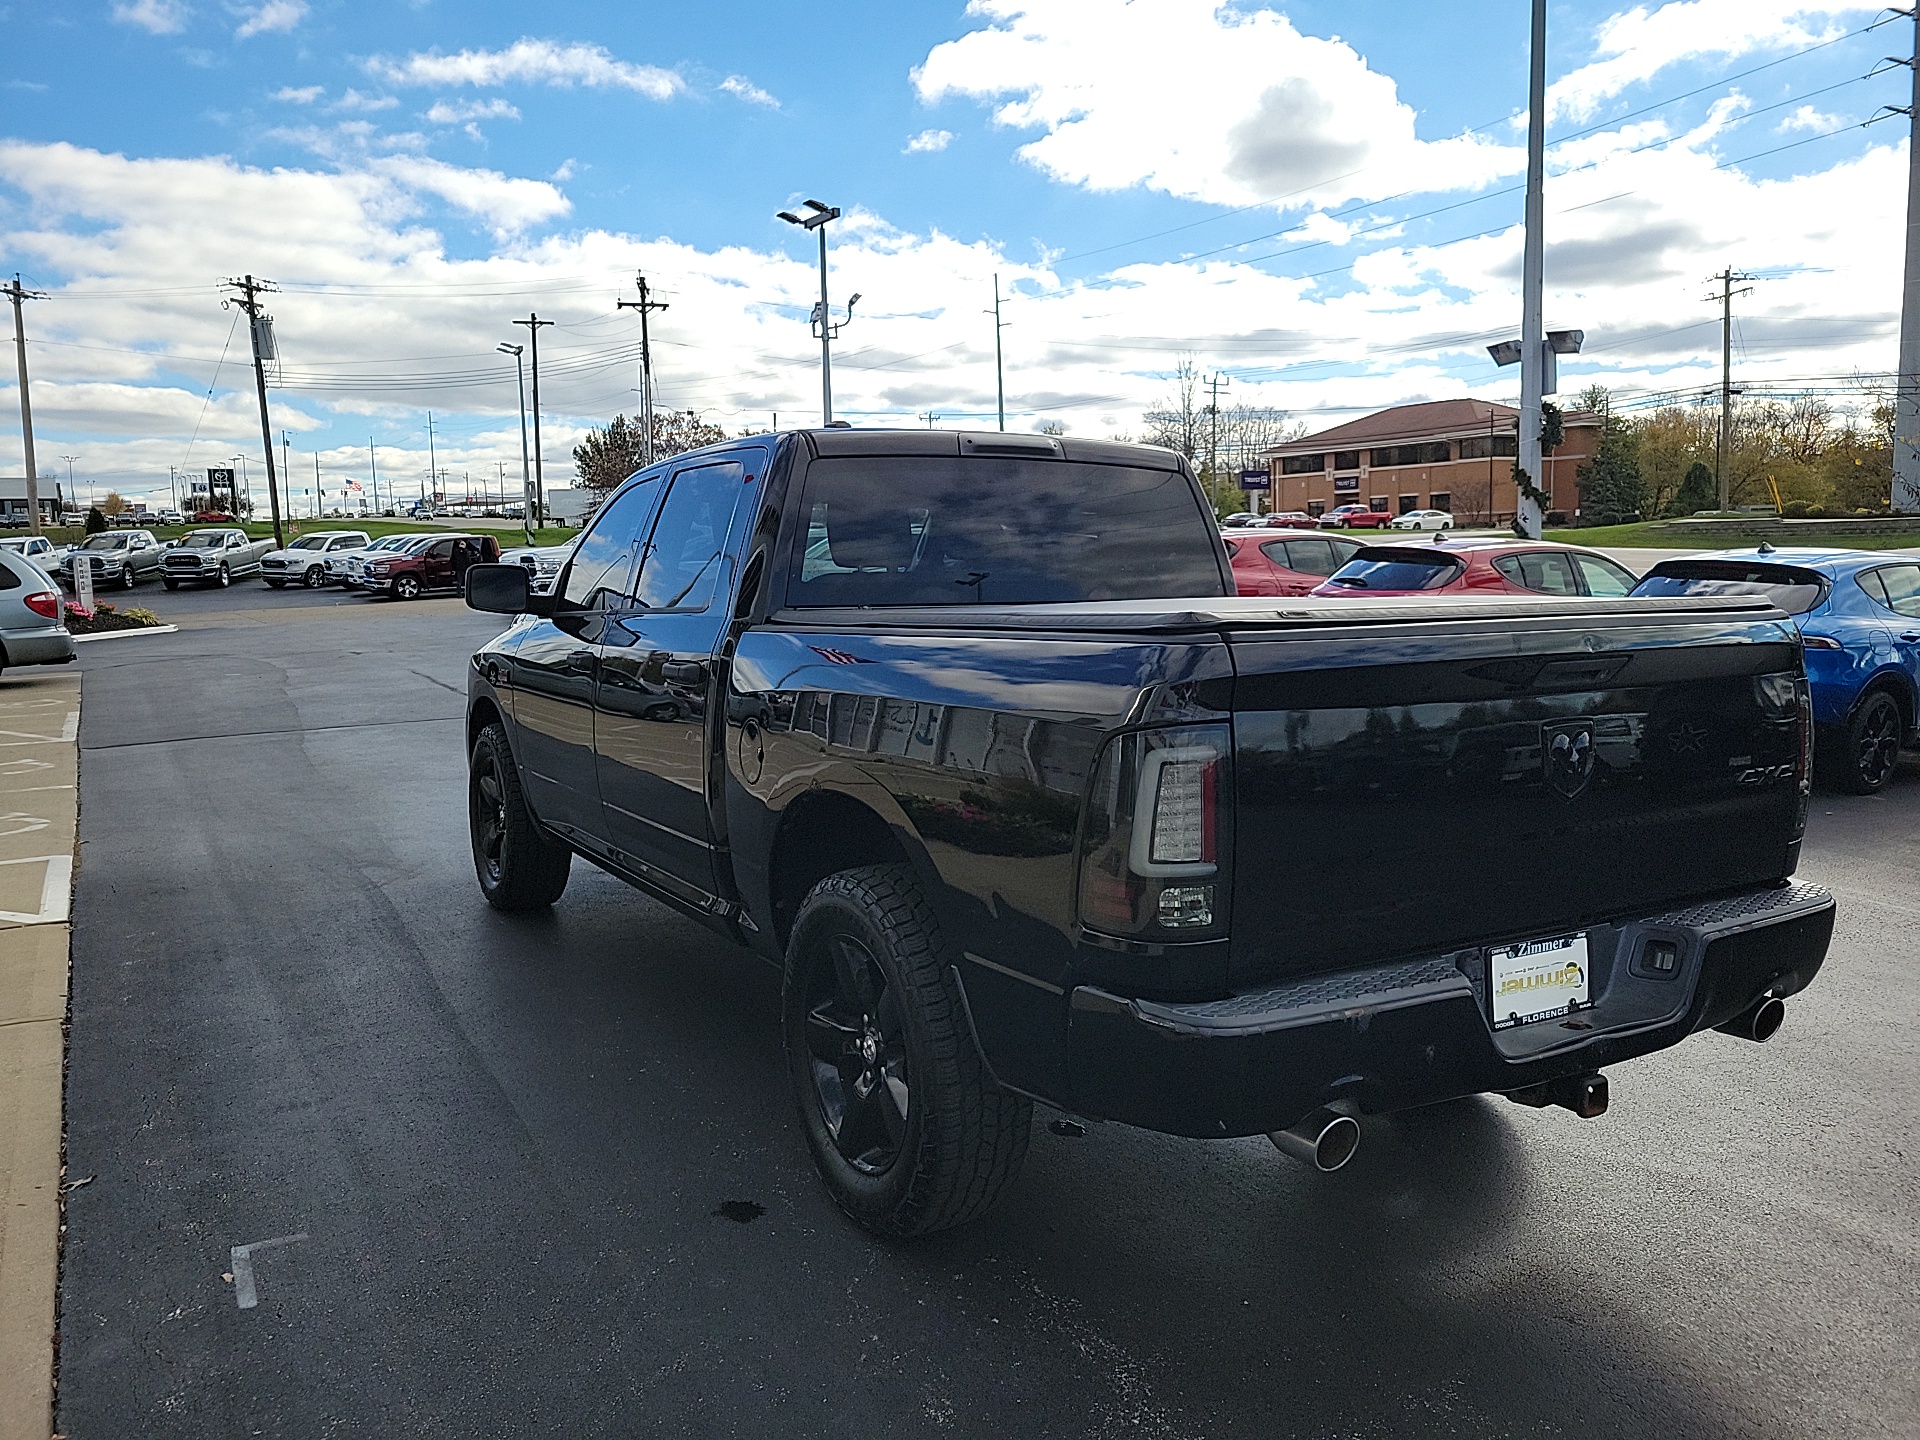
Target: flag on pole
point(353, 487)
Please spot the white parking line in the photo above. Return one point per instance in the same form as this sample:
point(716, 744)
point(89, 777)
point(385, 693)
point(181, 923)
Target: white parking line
point(244, 1294)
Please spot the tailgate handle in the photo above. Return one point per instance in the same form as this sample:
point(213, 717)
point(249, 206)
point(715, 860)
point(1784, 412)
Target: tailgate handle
point(1579, 674)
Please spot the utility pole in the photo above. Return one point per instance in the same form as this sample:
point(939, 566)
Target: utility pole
point(259, 328)
point(999, 369)
point(316, 484)
point(433, 470)
point(1723, 445)
point(1213, 443)
point(534, 324)
point(373, 474)
point(1528, 517)
point(17, 294)
point(644, 304)
point(1906, 402)
point(929, 417)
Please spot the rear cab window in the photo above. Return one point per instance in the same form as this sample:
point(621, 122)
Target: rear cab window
point(1793, 589)
point(967, 530)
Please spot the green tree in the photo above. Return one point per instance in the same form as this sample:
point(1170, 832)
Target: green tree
point(96, 520)
point(1696, 491)
point(607, 457)
point(1612, 489)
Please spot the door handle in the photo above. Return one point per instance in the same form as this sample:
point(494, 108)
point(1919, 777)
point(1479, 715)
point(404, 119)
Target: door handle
point(684, 672)
point(1911, 639)
point(580, 661)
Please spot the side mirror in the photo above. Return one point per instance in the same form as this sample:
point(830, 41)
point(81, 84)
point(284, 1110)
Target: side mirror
point(503, 590)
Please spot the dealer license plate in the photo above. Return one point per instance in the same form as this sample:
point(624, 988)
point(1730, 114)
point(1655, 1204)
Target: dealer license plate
point(1537, 980)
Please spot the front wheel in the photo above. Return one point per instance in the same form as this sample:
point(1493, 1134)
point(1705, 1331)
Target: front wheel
point(315, 577)
point(520, 866)
point(910, 1132)
point(224, 578)
point(128, 579)
point(406, 588)
point(1870, 750)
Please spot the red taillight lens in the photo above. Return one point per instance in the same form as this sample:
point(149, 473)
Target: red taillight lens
point(44, 602)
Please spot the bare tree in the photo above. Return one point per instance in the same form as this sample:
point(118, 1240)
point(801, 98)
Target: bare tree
point(1178, 422)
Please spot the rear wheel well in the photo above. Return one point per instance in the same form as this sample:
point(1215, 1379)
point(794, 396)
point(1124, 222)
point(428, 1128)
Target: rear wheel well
point(1902, 692)
point(483, 714)
point(821, 834)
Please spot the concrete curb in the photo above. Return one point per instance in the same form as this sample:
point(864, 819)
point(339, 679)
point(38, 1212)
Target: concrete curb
point(39, 814)
point(127, 634)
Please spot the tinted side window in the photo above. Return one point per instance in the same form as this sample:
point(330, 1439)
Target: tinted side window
point(1897, 587)
point(603, 558)
point(1546, 571)
point(1309, 557)
point(683, 560)
point(1603, 577)
point(9, 577)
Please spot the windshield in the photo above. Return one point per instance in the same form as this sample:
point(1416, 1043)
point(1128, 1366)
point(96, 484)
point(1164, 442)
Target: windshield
point(203, 540)
point(393, 542)
point(310, 542)
point(105, 542)
point(1381, 568)
point(1794, 590)
point(993, 530)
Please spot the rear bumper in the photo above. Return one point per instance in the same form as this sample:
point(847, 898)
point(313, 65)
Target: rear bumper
point(51, 646)
point(1395, 1036)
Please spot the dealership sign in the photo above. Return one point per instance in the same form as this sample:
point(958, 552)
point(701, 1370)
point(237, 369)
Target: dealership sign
point(1255, 480)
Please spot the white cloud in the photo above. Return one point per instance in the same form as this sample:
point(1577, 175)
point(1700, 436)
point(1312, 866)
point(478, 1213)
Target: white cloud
point(744, 89)
point(540, 62)
point(460, 112)
point(1808, 118)
point(1288, 118)
point(158, 17)
point(928, 142)
point(299, 95)
point(352, 100)
point(506, 204)
point(1635, 45)
point(272, 17)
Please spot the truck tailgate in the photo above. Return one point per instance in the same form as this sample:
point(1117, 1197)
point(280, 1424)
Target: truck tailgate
point(1410, 780)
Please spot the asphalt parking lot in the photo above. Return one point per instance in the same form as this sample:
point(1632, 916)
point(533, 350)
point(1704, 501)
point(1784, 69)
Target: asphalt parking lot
point(544, 1178)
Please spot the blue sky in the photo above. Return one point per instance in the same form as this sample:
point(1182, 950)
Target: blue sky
point(415, 175)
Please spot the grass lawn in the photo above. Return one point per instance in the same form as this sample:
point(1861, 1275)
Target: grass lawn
point(1647, 536)
point(509, 539)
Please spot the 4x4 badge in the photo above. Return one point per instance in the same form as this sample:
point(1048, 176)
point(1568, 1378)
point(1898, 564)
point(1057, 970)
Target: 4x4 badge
point(1566, 750)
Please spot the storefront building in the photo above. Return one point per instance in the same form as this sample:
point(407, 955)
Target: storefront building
point(1452, 455)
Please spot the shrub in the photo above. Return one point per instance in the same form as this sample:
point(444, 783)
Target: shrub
point(1796, 509)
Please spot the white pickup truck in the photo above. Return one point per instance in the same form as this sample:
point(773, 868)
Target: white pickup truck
point(304, 562)
point(213, 557)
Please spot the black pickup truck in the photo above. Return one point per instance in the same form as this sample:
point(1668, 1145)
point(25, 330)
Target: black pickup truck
point(970, 735)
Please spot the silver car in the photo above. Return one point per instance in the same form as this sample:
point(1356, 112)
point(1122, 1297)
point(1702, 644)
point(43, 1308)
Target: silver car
point(31, 628)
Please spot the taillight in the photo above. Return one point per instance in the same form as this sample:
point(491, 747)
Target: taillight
point(45, 603)
point(1154, 837)
point(1803, 696)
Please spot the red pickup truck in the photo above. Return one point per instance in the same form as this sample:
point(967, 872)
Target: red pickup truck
point(433, 562)
point(1354, 517)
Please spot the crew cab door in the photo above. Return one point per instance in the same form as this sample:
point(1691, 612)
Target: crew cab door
point(554, 666)
point(656, 672)
point(436, 566)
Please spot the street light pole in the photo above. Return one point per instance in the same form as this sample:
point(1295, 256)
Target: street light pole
point(1527, 518)
point(526, 467)
point(816, 220)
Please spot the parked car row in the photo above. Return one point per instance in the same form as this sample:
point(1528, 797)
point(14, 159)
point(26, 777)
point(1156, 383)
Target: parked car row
point(1341, 517)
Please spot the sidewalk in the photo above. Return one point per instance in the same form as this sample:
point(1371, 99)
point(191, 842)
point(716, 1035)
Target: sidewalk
point(39, 810)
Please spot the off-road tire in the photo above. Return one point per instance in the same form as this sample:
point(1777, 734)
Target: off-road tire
point(529, 870)
point(1869, 750)
point(964, 1138)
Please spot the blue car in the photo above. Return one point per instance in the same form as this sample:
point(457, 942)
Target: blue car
point(1859, 618)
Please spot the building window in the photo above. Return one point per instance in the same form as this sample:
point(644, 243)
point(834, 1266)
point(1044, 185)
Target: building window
point(1431, 454)
point(1409, 503)
point(1316, 508)
point(1377, 504)
point(1302, 464)
point(1441, 500)
point(1346, 484)
point(1479, 447)
point(1346, 459)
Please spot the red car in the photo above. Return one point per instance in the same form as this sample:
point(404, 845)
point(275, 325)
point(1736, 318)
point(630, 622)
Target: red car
point(433, 562)
point(212, 517)
point(1284, 520)
point(1492, 566)
point(1290, 565)
point(1355, 517)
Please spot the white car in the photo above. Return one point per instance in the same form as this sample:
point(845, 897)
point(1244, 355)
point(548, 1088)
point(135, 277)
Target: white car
point(543, 564)
point(304, 562)
point(37, 548)
point(1422, 520)
point(344, 566)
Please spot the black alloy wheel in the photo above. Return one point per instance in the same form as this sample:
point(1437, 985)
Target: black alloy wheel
point(906, 1124)
point(1873, 744)
point(406, 587)
point(315, 577)
point(520, 866)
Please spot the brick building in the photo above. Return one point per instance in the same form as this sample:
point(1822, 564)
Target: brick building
point(1454, 455)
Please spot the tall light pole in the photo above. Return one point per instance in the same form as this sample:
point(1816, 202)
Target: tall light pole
point(1906, 395)
point(70, 459)
point(816, 220)
point(526, 466)
point(534, 325)
point(1527, 517)
point(17, 293)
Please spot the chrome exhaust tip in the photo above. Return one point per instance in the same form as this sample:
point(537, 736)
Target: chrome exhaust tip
point(1759, 1021)
point(1322, 1139)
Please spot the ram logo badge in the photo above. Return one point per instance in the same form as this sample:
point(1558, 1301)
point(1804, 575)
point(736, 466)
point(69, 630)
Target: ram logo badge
point(1566, 749)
